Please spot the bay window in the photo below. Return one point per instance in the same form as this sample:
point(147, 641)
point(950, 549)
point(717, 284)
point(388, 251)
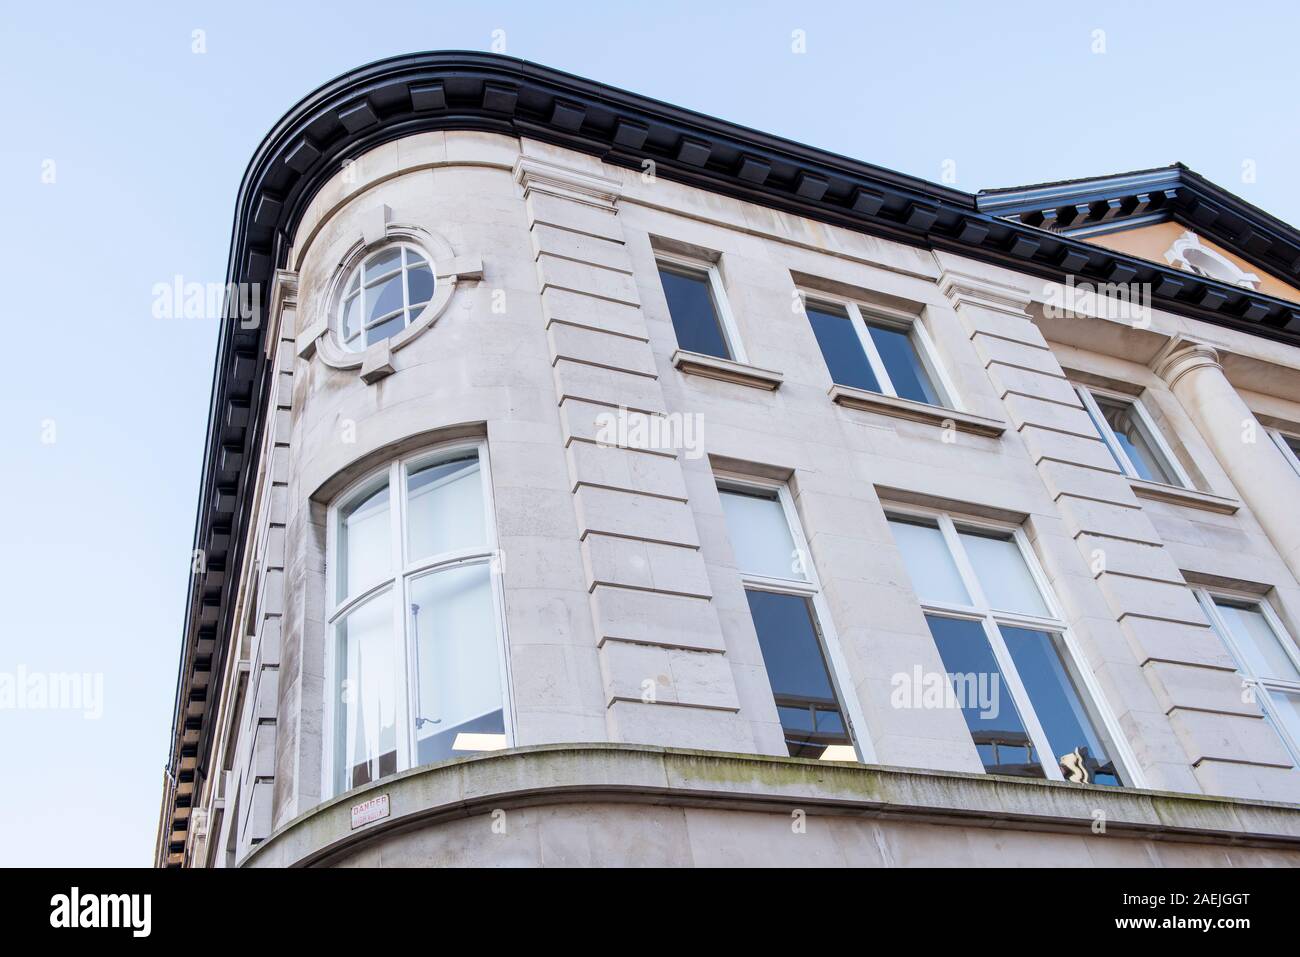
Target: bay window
point(417, 663)
point(1007, 654)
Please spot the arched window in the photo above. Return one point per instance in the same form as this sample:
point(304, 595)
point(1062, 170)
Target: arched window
point(417, 664)
point(385, 294)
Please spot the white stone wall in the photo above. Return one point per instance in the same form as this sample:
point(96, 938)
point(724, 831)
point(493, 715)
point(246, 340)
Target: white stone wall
point(617, 567)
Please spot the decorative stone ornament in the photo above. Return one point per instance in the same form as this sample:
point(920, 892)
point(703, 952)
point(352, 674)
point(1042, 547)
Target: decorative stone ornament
point(325, 336)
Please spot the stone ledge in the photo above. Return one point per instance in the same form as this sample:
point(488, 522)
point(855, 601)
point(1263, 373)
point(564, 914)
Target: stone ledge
point(868, 401)
point(1191, 498)
point(577, 773)
point(711, 367)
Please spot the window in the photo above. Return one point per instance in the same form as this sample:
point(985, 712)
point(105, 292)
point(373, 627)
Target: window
point(1289, 446)
point(698, 308)
point(877, 351)
point(1267, 659)
point(1132, 438)
point(384, 295)
point(785, 603)
point(417, 663)
point(1006, 652)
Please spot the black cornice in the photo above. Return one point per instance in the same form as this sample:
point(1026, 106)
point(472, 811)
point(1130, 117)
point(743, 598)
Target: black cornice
point(475, 91)
point(1089, 207)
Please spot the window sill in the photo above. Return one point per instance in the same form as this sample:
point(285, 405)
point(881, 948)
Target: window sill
point(854, 398)
point(711, 367)
point(1177, 495)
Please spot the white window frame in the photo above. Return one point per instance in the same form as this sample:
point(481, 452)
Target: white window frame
point(721, 306)
point(861, 316)
point(1123, 757)
point(401, 574)
point(357, 343)
point(1147, 424)
point(1262, 686)
point(811, 589)
point(1279, 439)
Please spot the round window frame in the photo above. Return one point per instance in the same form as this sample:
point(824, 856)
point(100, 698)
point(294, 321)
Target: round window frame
point(439, 255)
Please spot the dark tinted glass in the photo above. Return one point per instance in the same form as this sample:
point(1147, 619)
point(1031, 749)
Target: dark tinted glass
point(981, 690)
point(841, 348)
point(901, 361)
point(805, 698)
point(1076, 746)
point(695, 318)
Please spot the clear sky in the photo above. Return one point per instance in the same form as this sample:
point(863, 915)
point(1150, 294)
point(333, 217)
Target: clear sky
point(121, 151)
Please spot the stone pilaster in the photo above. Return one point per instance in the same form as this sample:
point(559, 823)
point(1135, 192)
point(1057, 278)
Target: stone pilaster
point(666, 677)
point(1187, 721)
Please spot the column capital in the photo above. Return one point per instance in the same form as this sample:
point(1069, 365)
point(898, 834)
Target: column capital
point(1181, 355)
point(966, 289)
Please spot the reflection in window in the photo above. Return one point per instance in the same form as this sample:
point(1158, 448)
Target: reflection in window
point(1267, 660)
point(796, 668)
point(1130, 439)
point(846, 360)
point(424, 683)
point(1076, 746)
point(384, 295)
point(901, 360)
point(782, 593)
point(874, 354)
point(693, 310)
point(991, 621)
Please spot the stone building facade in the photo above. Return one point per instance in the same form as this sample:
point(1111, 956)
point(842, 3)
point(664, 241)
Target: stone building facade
point(604, 484)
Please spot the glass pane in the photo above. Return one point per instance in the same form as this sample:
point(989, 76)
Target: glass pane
point(1058, 705)
point(444, 508)
point(364, 543)
point(383, 298)
point(1286, 712)
point(1261, 649)
point(354, 283)
point(1103, 431)
point(458, 672)
point(929, 563)
point(420, 285)
point(383, 262)
point(981, 692)
point(694, 315)
point(1003, 574)
point(414, 259)
point(384, 330)
point(351, 317)
point(903, 363)
point(760, 536)
point(1132, 437)
point(841, 348)
point(366, 726)
point(796, 668)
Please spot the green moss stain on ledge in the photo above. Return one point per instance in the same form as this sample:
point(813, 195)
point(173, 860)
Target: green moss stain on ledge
point(603, 772)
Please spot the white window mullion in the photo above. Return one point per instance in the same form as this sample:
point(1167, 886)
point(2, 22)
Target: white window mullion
point(930, 362)
point(869, 347)
point(1162, 447)
point(1023, 704)
point(1287, 452)
point(1104, 430)
point(403, 651)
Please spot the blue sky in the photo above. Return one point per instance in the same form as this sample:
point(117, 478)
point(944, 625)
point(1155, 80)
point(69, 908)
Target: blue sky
point(103, 407)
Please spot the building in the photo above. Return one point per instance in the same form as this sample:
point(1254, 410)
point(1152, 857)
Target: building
point(603, 483)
